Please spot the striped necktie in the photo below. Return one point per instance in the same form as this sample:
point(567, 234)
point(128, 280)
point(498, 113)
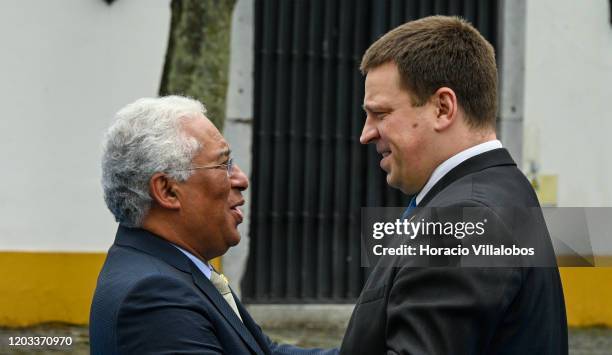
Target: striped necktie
point(221, 284)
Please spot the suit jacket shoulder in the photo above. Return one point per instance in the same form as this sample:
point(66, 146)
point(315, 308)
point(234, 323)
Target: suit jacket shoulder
point(491, 179)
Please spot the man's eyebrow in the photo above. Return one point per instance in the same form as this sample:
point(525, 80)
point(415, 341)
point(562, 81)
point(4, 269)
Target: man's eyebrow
point(225, 153)
point(371, 108)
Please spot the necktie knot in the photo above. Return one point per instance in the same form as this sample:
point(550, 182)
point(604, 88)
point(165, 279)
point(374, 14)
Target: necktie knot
point(220, 282)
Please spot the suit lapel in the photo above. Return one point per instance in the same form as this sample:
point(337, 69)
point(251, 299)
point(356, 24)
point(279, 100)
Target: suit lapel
point(254, 329)
point(495, 157)
point(224, 308)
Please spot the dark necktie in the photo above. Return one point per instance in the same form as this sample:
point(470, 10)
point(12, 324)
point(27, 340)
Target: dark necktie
point(411, 206)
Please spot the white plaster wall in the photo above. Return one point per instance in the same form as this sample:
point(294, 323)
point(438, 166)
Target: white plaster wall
point(66, 67)
point(238, 128)
point(568, 92)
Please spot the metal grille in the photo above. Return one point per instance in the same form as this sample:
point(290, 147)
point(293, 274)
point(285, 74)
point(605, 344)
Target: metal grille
point(311, 176)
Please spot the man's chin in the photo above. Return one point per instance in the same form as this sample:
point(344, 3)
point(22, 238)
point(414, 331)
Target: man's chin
point(391, 181)
point(397, 184)
point(235, 239)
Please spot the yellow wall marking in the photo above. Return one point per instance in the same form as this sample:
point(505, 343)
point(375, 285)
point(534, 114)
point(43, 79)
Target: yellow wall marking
point(588, 295)
point(57, 287)
point(47, 287)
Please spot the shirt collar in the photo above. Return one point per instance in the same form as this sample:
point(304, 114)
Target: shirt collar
point(202, 266)
point(450, 163)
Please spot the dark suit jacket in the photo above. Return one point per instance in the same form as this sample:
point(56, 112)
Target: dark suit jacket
point(441, 310)
point(151, 299)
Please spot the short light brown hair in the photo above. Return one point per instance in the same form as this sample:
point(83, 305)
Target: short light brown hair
point(442, 51)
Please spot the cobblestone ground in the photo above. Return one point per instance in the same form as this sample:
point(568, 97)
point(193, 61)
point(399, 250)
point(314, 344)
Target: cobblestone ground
point(589, 341)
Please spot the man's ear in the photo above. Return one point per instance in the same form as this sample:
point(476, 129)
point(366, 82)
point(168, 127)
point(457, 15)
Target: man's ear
point(163, 191)
point(446, 108)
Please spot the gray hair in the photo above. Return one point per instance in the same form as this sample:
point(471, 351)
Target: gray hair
point(146, 138)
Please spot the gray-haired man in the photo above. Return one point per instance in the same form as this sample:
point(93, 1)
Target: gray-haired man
point(169, 180)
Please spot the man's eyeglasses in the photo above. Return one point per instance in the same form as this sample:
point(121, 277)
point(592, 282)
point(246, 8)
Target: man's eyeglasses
point(228, 166)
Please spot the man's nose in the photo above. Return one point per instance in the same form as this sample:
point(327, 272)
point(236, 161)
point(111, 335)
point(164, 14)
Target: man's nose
point(369, 133)
point(239, 180)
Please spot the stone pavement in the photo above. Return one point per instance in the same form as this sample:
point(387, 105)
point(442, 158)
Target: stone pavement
point(585, 341)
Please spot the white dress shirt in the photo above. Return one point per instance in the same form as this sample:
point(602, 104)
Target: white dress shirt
point(450, 163)
point(204, 267)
